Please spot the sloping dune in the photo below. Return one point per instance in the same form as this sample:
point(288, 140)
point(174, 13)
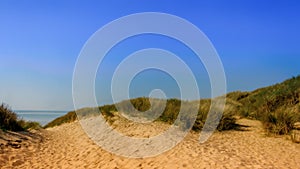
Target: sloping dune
point(67, 146)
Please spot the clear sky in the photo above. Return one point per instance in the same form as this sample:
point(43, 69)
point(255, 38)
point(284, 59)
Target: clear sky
point(257, 41)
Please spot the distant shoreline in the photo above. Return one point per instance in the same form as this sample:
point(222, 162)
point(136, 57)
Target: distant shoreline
point(41, 116)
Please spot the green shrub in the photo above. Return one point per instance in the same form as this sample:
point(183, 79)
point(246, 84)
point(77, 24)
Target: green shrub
point(279, 122)
point(9, 119)
point(30, 125)
point(69, 117)
point(171, 111)
point(227, 122)
point(277, 106)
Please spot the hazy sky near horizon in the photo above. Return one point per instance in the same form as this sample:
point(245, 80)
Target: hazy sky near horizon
point(257, 41)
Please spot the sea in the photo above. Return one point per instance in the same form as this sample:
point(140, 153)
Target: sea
point(41, 116)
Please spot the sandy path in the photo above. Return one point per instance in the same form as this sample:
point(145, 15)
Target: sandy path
point(67, 146)
point(17, 147)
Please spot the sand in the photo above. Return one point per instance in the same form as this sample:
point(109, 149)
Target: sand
point(67, 146)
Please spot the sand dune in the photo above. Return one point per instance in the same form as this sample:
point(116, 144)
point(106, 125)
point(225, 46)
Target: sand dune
point(67, 146)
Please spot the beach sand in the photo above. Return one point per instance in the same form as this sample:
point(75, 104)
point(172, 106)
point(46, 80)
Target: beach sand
point(67, 146)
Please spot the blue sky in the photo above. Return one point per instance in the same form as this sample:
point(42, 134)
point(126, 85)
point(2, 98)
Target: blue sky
point(257, 41)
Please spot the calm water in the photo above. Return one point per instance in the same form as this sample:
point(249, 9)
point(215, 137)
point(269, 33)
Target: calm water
point(43, 117)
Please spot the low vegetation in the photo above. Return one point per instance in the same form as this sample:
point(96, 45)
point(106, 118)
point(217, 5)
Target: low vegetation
point(26, 125)
point(10, 121)
point(277, 107)
point(168, 114)
point(69, 117)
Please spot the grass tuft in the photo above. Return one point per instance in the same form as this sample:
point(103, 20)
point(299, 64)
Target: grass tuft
point(9, 119)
